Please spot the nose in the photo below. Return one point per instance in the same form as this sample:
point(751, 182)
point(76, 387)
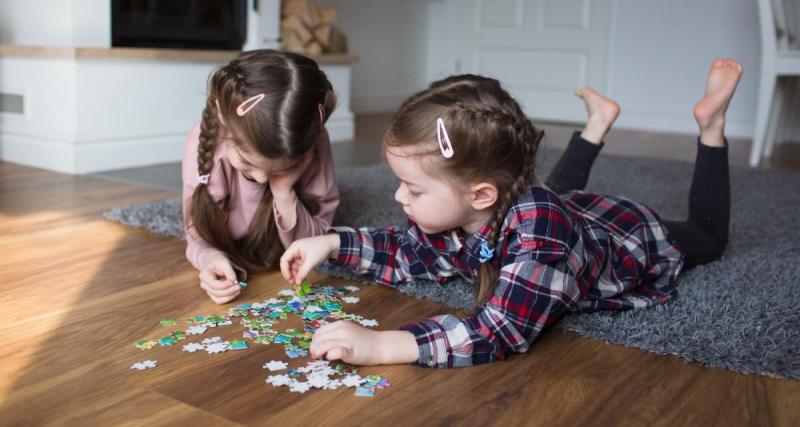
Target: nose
point(400, 195)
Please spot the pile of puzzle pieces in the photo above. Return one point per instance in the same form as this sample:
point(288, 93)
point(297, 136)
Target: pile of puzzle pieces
point(316, 306)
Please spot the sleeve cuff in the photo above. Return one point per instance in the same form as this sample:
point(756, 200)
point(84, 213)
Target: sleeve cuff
point(349, 247)
point(431, 342)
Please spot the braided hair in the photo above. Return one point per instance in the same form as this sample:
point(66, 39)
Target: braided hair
point(286, 124)
point(493, 141)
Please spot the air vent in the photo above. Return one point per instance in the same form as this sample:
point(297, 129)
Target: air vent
point(12, 103)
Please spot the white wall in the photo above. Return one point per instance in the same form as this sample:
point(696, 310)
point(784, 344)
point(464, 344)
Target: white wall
point(391, 38)
point(55, 23)
point(659, 53)
point(661, 50)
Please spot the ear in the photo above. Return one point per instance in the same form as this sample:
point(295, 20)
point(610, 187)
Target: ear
point(484, 195)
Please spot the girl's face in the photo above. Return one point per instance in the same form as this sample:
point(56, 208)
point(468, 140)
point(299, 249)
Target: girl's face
point(433, 203)
point(256, 167)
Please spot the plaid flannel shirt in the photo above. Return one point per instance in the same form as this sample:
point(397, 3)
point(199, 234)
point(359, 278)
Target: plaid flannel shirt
point(576, 252)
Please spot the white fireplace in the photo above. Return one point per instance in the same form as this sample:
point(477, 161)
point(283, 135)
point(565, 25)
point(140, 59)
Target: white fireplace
point(71, 103)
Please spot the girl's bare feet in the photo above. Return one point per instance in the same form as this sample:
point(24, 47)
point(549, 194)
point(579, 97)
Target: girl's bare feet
point(710, 111)
point(602, 113)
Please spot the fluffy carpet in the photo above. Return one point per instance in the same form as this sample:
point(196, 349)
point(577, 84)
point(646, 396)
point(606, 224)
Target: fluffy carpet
point(740, 313)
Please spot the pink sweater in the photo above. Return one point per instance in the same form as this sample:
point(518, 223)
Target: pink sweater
point(239, 196)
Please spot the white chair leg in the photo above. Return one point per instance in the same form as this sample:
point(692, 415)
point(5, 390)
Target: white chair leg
point(775, 117)
point(763, 106)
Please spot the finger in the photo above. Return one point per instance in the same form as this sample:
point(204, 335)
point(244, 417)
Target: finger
point(213, 282)
point(338, 353)
point(321, 348)
point(223, 271)
point(332, 326)
point(221, 300)
point(286, 269)
point(206, 276)
point(223, 293)
point(302, 272)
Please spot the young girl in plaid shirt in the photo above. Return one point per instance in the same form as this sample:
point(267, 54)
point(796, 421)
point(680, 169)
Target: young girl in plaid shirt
point(464, 152)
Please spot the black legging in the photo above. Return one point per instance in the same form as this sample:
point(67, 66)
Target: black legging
point(704, 235)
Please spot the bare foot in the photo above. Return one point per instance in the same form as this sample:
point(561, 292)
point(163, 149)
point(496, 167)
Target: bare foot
point(710, 111)
point(602, 113)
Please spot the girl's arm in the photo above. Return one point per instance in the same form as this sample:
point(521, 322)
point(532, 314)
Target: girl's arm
point(392, 255)
point(536, 285)
point(292, 218)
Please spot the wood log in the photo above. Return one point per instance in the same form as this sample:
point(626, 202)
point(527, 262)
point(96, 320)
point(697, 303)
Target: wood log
point(294, 25)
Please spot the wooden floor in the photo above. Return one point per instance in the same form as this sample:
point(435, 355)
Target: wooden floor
point(77, 292)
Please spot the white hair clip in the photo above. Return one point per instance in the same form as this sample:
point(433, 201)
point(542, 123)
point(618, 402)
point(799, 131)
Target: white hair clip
point(203, 179)
point(444, 140)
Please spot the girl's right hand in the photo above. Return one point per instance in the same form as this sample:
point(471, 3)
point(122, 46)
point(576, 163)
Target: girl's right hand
point(219, 280)
point(304, 254)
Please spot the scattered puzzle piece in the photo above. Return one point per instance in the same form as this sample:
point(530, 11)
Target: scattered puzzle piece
point(192, 347)
point(168, 322)
point(275, 365)
point(147, 364)
point(279, 380)
point(196, 329)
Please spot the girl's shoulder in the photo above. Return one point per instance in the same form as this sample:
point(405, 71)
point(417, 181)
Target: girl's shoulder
point(538, 221)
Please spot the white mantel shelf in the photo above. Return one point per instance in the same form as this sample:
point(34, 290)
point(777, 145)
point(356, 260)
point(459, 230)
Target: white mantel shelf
point(68, 52)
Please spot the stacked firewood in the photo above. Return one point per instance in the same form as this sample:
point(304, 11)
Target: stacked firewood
point(309, 29)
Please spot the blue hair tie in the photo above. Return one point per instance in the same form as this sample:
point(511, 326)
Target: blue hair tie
point(487, 253)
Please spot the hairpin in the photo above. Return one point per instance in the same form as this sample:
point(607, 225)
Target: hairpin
point(486, 252)
point(444, 143)
point(203, 179)
point(248, 104)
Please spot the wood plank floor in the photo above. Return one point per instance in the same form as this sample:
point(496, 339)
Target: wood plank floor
point(77, 291)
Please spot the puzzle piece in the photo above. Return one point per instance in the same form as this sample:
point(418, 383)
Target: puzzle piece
point(196, 329)
point(279, 380)
point(146, 344)
point(299, 387)
point(192, 347)
point(368, 322)
point(147, 364)
point(237, 345)
point(168, 322)
point(275, 365)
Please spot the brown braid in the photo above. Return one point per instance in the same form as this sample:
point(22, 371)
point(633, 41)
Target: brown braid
point(493, 139)
point(291, 81)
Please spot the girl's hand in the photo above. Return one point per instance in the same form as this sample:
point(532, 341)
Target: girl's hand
point(352, 343)
point(304, 254)
point(218, 279)
point(283, 182)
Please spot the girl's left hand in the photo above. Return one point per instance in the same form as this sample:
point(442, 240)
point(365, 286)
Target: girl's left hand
point(346, 341)
point(355, 344)
point(283, 182)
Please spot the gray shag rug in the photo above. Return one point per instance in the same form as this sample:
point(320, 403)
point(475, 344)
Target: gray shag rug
point(740, 313)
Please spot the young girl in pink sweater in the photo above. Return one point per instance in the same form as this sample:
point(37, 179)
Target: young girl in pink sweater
point(257, 170)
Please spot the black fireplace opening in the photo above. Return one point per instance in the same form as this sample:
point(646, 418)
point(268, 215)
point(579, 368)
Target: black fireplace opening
point(186, 24)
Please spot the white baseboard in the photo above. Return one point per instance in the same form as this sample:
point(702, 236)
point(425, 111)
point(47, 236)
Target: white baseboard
point(47, 154)
point(66, 156)
point(90, 157)
point(341, 126)
point(654, 122)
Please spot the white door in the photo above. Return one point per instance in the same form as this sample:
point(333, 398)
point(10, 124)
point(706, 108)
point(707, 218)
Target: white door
point(540, 50)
